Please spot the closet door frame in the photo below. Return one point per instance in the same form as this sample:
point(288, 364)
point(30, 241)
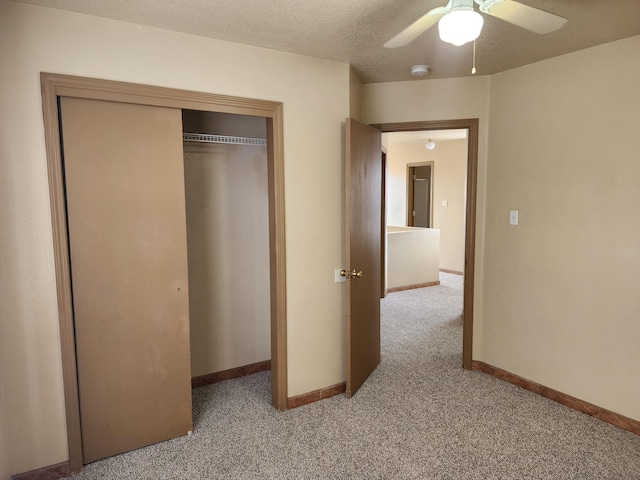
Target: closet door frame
point(55, 86)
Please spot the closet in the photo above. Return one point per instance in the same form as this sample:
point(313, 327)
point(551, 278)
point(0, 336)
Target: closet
point(115, 159)
point(169, 261)
point(227, 212)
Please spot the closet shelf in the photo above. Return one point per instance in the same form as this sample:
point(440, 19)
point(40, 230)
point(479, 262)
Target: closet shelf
point(205, 138)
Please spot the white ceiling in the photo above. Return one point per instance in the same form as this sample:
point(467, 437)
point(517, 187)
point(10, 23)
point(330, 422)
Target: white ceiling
point(354, 31)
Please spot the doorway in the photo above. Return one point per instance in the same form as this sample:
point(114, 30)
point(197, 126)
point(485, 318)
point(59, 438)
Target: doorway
point(227, 217)
point(420, 195)
point(54, 88)
point(472, 128)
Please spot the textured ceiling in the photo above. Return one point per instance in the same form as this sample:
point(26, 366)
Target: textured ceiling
point(354, 31)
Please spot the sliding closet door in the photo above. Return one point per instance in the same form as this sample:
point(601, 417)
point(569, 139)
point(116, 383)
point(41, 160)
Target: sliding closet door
point(127, 234)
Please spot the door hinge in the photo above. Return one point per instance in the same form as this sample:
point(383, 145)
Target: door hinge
point(413, 214)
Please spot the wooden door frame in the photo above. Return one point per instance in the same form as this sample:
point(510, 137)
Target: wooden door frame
point(383, 228)
point(472, 127)
point(410, 191)
point(55, 86)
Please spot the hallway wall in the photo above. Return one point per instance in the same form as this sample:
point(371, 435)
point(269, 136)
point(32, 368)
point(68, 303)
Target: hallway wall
point(449, 184)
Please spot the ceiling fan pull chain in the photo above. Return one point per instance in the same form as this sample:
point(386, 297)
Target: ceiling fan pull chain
point(473, 68)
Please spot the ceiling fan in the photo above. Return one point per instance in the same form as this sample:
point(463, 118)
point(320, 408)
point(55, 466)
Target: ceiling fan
point(459, 23)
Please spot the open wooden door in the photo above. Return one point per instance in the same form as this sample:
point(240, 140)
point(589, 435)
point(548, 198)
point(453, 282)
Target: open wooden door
point(128, 253)
point(363, 217)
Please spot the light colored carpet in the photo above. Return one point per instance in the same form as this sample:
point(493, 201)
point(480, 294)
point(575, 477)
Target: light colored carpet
point(419, 416)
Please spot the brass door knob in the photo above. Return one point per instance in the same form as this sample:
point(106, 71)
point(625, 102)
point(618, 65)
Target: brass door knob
point(352, 274)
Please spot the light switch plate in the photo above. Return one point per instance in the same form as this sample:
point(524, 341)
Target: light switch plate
point(445, 203)
point(513, 217)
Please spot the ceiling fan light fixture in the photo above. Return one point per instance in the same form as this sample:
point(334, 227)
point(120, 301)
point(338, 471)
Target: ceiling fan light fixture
point(460, 26)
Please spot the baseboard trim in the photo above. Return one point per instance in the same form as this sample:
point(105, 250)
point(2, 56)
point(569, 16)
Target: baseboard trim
point(52, 472)
point(411, 287)
point(243, 371)
point(452, 272)
point(305, 398)
point(605, 415)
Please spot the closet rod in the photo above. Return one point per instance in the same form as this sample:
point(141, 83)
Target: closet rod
point(205, 138)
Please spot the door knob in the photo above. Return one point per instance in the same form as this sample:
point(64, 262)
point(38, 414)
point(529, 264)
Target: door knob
point(352, 274)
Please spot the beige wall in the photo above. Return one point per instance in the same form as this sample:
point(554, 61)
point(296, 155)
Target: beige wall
point(228, 245)
point(5, 471)
point(396, 180)
point(440, 100)
point(315, 95)
point(355, 95)
point(449, 183)
point(562, 304)
point(413, 256)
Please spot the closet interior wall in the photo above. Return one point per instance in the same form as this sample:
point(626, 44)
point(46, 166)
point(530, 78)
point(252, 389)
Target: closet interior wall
point(228, 242)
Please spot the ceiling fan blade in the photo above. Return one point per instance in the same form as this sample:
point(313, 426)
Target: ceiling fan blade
point(417, 28)
point(524, 16)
